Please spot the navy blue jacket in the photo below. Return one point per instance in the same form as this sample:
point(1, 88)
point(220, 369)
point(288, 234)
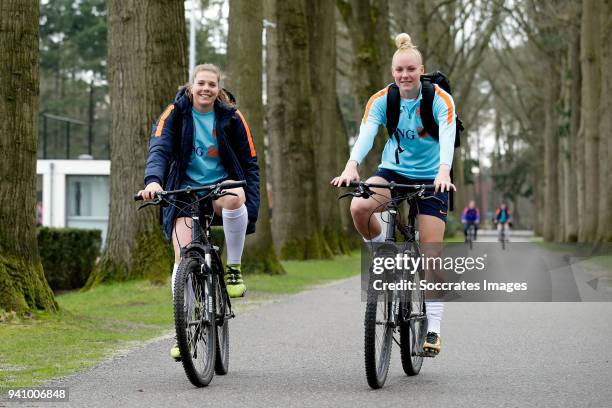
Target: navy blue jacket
point(171, 145)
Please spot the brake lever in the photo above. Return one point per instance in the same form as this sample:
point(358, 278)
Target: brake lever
point(157, 201)
point(346, 195)
point(226, 193)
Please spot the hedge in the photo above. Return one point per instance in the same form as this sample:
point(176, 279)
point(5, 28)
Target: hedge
point(68, 255)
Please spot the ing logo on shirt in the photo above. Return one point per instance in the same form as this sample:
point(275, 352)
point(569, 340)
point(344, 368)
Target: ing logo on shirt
point(211, 152)
point(405, 134)
point(422, 132)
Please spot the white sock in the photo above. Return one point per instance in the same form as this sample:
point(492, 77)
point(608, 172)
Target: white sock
point(234, 226)
point(380, 238)
point(434, 315)
point(174, 269)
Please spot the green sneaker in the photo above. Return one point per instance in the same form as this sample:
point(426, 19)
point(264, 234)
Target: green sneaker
point(233, 281)
point(175, 353)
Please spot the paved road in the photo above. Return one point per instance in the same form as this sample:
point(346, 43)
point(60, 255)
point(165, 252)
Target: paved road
point(306, 351)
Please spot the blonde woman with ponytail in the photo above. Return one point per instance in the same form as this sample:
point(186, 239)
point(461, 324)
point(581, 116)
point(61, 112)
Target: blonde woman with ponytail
point(201, 139)
point(411, 156)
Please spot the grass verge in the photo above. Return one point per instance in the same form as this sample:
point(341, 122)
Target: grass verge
point(99, 323)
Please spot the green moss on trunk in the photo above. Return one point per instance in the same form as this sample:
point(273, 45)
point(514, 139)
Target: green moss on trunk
point(313, 247)
point(23, 286)
point(262, 263)
point(152, 259)
point(337, 241)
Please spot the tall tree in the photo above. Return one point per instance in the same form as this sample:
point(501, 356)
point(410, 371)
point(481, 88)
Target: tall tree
point(590, 63)
point(22, 282)
point(322, 32)
point(146, 63)
point(367, 23)
point(295, 218)
point(604, 232)
point(245, 72)
point(571, 166)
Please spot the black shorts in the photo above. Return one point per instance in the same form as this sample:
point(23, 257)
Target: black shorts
point(183, 202)
point(436, 207)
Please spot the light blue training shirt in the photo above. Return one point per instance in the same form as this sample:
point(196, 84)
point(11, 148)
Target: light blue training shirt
point(422, 153)
point(204, 165)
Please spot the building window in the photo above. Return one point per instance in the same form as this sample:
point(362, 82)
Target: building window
point(87, 202)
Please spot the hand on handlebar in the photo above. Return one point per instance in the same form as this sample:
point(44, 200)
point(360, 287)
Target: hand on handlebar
point(148, 193)
point(349, 174)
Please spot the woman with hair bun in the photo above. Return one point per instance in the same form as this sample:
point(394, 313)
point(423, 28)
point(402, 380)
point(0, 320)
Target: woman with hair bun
point(202, 139)
point(411, 156)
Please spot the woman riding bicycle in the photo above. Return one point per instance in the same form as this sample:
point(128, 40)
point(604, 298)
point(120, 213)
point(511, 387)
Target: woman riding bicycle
point(202, 139)
point(422, 160)
point(503, 220)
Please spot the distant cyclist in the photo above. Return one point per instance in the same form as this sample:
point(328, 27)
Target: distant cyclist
point(470, 217)
point(411, 157)
point(503, 220)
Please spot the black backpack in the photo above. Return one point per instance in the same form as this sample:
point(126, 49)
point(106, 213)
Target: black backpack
point(428, 92)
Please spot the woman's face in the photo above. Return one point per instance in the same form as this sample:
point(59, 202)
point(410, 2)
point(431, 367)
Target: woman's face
point(204, 90)
point(407, 70)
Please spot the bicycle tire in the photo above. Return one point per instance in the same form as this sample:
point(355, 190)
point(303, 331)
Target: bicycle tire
point(222, 328)
point(192, 297)
point(377, 363)
point(412, 332)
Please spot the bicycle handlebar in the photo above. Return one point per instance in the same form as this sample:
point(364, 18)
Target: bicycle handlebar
point(221, 186)
point(392, 185)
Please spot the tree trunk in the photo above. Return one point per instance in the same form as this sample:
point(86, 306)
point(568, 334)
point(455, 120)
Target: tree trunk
point(604, 232)
point(23, 286)
point(295, 219)
point(245, 72)
point(146, 65)
point(322, 32)
point(572, 167)
point(551, 155)
point(590, 113)
point(367, 22)
point(353, 238)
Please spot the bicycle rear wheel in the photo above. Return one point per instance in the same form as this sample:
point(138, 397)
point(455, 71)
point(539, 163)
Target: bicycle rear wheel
point(193, 318)
point(378, 336)
point(222, 327)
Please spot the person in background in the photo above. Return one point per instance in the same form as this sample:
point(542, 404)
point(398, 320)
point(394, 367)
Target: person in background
point(470, 216)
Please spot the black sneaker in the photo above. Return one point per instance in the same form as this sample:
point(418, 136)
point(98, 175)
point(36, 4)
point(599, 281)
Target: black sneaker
point(432, 344)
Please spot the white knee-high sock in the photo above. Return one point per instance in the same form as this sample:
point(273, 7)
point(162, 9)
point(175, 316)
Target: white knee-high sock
point(234, 226)
point(434, 315)
point(380, 238)
point(174, 269)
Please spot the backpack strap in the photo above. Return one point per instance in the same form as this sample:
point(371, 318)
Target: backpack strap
point(393, 114)
point(427, 94)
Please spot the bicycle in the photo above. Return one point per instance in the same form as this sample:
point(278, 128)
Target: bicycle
point(388, 312)
point(471, 232)
point(502, 236)
point(202, 306)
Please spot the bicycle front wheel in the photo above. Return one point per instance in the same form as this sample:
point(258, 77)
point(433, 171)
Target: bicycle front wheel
point(413, 329)
point(378, 337)
point(194, 321)
point(222, 327)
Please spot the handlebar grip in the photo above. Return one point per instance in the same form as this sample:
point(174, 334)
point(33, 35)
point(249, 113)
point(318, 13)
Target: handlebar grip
point(233, 184)
point(137, 197)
